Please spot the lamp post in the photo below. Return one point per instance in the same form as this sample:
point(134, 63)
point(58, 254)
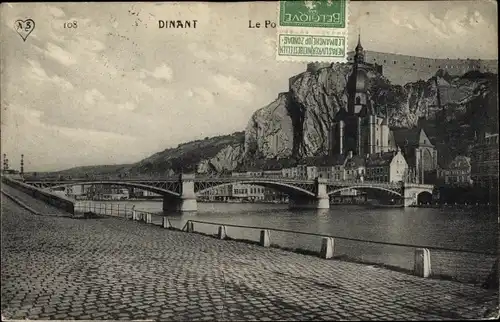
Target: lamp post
point(22, 164)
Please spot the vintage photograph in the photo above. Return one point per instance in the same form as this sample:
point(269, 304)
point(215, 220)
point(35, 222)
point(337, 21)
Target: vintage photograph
point(249, 161)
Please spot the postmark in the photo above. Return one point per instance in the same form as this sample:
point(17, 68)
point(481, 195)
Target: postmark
point(315, 47)
point(24, 27)
point(312, 31)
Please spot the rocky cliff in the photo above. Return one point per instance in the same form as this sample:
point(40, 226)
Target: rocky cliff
point(226, 159)
point(269, 132)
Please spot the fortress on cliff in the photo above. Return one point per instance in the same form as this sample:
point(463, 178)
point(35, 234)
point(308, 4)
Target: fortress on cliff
point(402, 69)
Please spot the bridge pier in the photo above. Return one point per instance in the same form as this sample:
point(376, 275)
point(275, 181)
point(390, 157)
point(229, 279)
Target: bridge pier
point(410, 199)
point(411, 192)
point(320, 201)
point(187, 201)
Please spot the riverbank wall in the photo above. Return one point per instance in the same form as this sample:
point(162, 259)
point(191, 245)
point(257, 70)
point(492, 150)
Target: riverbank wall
point(52, 199)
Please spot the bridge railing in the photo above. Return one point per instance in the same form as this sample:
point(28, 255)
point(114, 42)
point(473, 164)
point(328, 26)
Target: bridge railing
point(223, 178)
point(465, 265)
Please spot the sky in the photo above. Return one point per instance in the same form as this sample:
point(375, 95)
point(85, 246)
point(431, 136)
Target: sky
point(117, 88)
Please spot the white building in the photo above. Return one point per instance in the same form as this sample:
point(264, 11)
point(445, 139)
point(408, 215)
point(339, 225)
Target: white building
point(245, 191)
point(386, 167)
point(290, 172)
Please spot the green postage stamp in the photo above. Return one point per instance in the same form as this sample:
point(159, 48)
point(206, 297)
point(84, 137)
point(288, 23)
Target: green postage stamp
point(312, 31)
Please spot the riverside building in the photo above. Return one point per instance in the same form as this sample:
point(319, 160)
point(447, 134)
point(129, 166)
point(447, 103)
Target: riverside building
point(484, 165)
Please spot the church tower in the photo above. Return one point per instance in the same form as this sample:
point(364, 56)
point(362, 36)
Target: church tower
point(358, 82)
point(357, 104)
point(359, 128)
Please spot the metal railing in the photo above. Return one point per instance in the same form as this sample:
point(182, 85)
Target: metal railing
point(89, 209)
point(106, 209)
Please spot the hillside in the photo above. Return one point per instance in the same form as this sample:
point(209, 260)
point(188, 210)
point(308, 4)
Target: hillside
point(80, 172)
point(212, 154)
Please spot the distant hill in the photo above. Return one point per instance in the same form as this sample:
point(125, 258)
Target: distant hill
point(78, 172)
point(183, 158)
point(186, 157)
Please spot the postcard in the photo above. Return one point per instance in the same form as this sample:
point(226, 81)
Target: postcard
point(278, 160)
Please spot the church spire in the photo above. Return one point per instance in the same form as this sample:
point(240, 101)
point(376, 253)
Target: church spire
point(360, 53)
point(359, 47)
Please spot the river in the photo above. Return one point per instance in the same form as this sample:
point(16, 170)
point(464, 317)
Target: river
point(448, 228)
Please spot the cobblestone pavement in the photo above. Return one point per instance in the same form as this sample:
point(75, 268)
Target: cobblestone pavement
point(110, 268)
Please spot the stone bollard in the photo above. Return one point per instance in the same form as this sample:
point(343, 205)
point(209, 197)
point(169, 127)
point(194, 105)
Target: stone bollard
point(327, 247)
point(166, 223)
point(264, 238)
point(190, 227)
point(422, 266)
point(222, 232)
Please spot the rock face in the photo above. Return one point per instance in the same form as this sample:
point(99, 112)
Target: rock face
point(226, 160)
point(269, 132)
point(315, 98)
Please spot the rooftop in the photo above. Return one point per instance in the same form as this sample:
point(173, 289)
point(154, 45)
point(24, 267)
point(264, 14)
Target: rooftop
point(379, 159)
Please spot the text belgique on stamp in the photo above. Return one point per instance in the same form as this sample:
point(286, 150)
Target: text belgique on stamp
point(312, 31)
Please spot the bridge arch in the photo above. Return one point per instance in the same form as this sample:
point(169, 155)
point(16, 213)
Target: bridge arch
point(424, 197)
point(365, 188)
point(161, 191)
point(284, 187)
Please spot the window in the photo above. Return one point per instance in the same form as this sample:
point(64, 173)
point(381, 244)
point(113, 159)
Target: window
point(358, 100)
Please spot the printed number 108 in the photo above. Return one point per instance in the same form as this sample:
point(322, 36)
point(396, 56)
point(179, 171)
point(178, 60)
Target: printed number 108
point(71, 24)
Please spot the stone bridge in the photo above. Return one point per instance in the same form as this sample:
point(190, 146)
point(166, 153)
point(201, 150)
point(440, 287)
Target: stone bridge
point(180, 193)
